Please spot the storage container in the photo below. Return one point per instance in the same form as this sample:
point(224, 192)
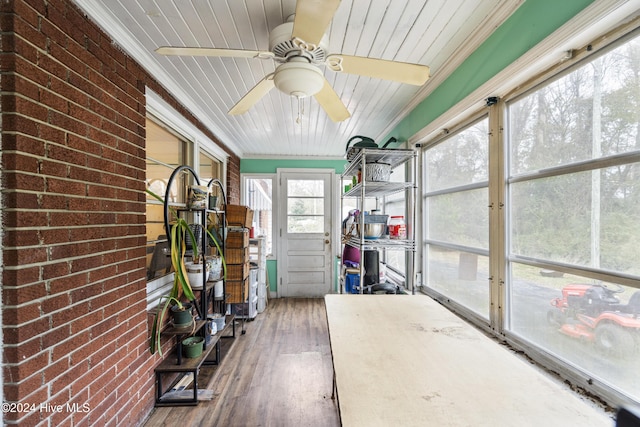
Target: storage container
point(351, 283)
point(236, 255)
point(237, 291)
point(237, 271)
point(237, 239)
point(377, 172)
point(238, 215)
point(397, 228)
point(247, 310)
point(219, 321)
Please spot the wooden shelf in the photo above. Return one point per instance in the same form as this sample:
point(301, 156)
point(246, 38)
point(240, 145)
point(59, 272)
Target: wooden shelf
point(170, 364)
point(176, 363)
point(172, 330)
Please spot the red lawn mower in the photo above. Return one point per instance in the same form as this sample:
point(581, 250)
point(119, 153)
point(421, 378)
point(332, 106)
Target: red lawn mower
point(594, 313)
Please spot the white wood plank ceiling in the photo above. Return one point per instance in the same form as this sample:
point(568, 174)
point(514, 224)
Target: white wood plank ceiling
point(437, 33)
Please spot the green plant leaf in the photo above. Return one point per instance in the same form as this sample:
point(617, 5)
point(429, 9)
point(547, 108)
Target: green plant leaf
point(156, 328)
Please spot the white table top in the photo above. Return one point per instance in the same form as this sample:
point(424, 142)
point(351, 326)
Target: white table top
point(404, 360)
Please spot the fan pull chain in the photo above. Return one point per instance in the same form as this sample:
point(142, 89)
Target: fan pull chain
point(300, 111)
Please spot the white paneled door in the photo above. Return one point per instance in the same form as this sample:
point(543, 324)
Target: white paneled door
point(305, 237)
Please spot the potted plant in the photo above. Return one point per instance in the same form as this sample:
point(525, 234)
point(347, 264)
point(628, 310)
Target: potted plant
point(192, 346)
point(181, 288)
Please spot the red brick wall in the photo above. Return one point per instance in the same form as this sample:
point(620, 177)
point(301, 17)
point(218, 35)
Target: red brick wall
point(74, 315)
point(233, 175)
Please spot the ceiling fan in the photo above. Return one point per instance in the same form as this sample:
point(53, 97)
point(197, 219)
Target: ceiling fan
point(299, 45)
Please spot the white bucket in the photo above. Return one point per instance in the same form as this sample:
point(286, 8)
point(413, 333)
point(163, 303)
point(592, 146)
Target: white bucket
point(218, 289)
point(218, 320)
point(215, 267)
point(196, 278)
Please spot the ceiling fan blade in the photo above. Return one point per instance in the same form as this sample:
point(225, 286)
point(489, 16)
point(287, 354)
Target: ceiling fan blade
point(414, 74)
point(312, 19)
point(331, 103)
point(253, 96)
point(209, 51)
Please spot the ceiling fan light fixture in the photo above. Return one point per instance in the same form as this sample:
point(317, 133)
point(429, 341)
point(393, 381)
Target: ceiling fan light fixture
point(299, 79)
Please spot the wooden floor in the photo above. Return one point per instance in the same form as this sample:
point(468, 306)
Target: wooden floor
point(277, 374)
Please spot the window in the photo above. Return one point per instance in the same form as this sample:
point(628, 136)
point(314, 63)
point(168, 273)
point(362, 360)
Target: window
point(575, 217)
point(562, 252)
point(209, 167)
point(165, 152)
point(305, 206)
point(456, 218)
point(258, 195)
point(396, 205)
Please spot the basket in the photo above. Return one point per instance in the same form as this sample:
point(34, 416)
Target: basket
point(378, 172)
point(237, 291)
point(239, 215)
point(237, 271)
point(237, 239)
point(236, 255)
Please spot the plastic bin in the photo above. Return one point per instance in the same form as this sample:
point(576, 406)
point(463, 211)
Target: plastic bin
point(351, 283)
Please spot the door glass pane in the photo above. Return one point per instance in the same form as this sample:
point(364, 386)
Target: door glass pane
point(305, 188)
point(308, 206)
point(305, 224)
point(305, 206)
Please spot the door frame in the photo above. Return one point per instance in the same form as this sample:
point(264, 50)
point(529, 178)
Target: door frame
point(280, 221)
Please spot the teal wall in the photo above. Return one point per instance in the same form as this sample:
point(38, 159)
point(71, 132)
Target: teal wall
point(532, 22)
point(272, 272)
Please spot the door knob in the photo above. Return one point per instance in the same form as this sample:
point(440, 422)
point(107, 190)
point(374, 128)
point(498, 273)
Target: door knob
point(327, 241)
